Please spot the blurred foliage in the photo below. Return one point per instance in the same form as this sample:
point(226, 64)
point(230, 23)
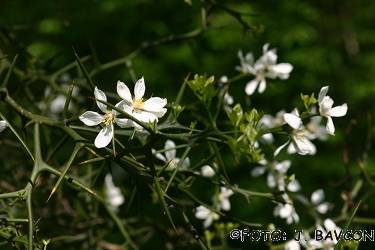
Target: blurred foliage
point(327, 42)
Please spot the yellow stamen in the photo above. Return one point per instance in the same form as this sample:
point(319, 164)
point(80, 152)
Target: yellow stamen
point(108, 118)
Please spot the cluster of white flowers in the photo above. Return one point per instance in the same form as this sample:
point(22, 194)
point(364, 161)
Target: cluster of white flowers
point(302, 135)
point(264, 67)
point(145, 111)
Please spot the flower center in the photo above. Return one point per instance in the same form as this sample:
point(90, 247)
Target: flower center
point(137, 105)
point(260, 76)
point(108, 118)
point(299, 133)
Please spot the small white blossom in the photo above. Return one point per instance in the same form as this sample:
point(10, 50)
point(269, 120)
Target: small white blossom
point(170, 156)
point(316, 201)
point(300, 137)
point(113, 194)
point(287, 212)
point(326, 110)
point(224, 194)
point(145, 111)
point(292, 245)
point(3, 125)
point(207, 171)
point(207, 215)
point(91, 118)
point(264, 67)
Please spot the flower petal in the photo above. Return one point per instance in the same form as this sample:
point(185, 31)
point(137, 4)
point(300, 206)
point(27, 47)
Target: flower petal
point(124, 92)
point(262, 86)
point(104, 137)
point(101, 96)
point(170, 154)
point(293, 120)
point(124, 123)
point(139, 89)
point(317, 196)
point(155, 104)
point(91, 118)
point(271, 181)
point(251, 86)
point(339, 110)
point(3, 125)
point(145, 116)
point(277, 151)
point(323, 208)
point(330, 127)
point(322, 94)
point(207, 171)
point(283, 68)
point(258, 171)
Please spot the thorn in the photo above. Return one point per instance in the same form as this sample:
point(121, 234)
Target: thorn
point(176, 230)
point(52, 192)
point(92, 98)
point(187, 77)
point(75, 53)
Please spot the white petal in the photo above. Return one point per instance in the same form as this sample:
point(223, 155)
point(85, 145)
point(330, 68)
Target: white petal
point(207, 171)
point(170, 154)
point(311, 146)
point(159, 156)
point(323, 208)
point(124, 123)
point(271, 181)
point(291, 149)
point(257, 171)
point(284, 68)
point(154, 104)
point(124, 92)
point(329, 224)
point(262, 86)
point(265, 48)
point(139, 89)
point(91, 118)
point(294, 186)
point(286, 211)
point(202, 212)
point(322, 94)
point(339, 110)
point(317, 196)
point(251, 86)
point(277, 151)
point(282, 167)
point(185, 164)
point(104, 137)
point(101, 96)
point(330, 127)
point(3, 125)
point(208, 222)
point(293, 120)
point(225, 204)
point(145, 116)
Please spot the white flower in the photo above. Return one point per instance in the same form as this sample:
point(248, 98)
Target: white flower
point(170, 156)
point(267, 122)
point(207, 171)
point(326, 110)
point(224, 194)
point(300, 137)
point(145, 111)
point(317, 131)
point(264, 67)
point(113, 194)
point(287, 212)
point(316, 201)
point(207, 215)
point(246, 63)
point(91, 118)
point(3, 125)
